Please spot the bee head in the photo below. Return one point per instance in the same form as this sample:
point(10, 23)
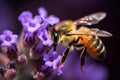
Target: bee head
point(55, 36)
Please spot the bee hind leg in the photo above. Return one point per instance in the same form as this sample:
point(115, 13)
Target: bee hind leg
point(82, 59)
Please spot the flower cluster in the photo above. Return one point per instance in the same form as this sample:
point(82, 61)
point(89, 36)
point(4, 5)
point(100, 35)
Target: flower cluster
point(31, 50)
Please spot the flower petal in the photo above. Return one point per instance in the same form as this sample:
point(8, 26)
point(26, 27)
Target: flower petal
point(13, 41)
point(56, 62)
point(7, 32)
point(33, 25)
point(25, 16)
point(8, 38)
point(14, 37)
point(38, 19)
point(5, 43)
point(42, 11)
point(59, 72)
point(40, 36)
point(48, 42)
point(46, 57)
point(48, 63)
point(53, 20)
point(2, 37)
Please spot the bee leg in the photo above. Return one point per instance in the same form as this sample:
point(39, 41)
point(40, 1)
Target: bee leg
point(82, 59)
point(54, 45)
point(65, 54)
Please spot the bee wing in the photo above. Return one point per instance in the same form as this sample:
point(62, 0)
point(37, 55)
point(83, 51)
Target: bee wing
point(91, 19)
point(100, 33)
point(94, 32)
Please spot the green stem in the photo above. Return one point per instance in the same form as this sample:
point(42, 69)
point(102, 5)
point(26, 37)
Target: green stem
point(24, 72)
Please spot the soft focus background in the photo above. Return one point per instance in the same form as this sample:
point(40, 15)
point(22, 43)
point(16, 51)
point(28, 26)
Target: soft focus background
point(73, 9)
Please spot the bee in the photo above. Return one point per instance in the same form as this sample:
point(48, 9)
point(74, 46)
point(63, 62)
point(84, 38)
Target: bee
point(83, 38)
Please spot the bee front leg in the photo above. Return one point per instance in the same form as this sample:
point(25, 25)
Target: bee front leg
point(65, 54)
point(82, 59)
point(54, 45)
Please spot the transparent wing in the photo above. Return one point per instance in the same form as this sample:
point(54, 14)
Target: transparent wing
point(91, 19)
point(100, 33)
point(94, 32)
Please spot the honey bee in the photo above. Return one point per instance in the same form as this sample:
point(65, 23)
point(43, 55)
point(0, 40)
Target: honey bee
point(83, 38)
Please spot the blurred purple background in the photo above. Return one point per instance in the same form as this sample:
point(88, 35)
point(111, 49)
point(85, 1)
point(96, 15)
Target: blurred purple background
point(73, 9)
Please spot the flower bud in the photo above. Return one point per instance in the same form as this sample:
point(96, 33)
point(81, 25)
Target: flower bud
point(39, 75)
point(10, 74)
point(22, 60)
point(12, 51)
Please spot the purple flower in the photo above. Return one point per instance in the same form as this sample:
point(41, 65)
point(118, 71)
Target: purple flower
point(28, 39)
point(53, 60)
point(37, 24)
point(29, 23)
point(51, 19)
point(38, 50)
point(8, 38)
point(44, 37)
point(33, 24)
point(44, 25)
point(25, 16)
point(42, 11)
point(50, 56)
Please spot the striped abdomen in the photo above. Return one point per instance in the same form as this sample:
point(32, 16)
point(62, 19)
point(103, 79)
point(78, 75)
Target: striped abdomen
point(94, 46)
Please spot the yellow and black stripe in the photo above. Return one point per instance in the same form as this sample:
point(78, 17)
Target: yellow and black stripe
point(96, 48)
